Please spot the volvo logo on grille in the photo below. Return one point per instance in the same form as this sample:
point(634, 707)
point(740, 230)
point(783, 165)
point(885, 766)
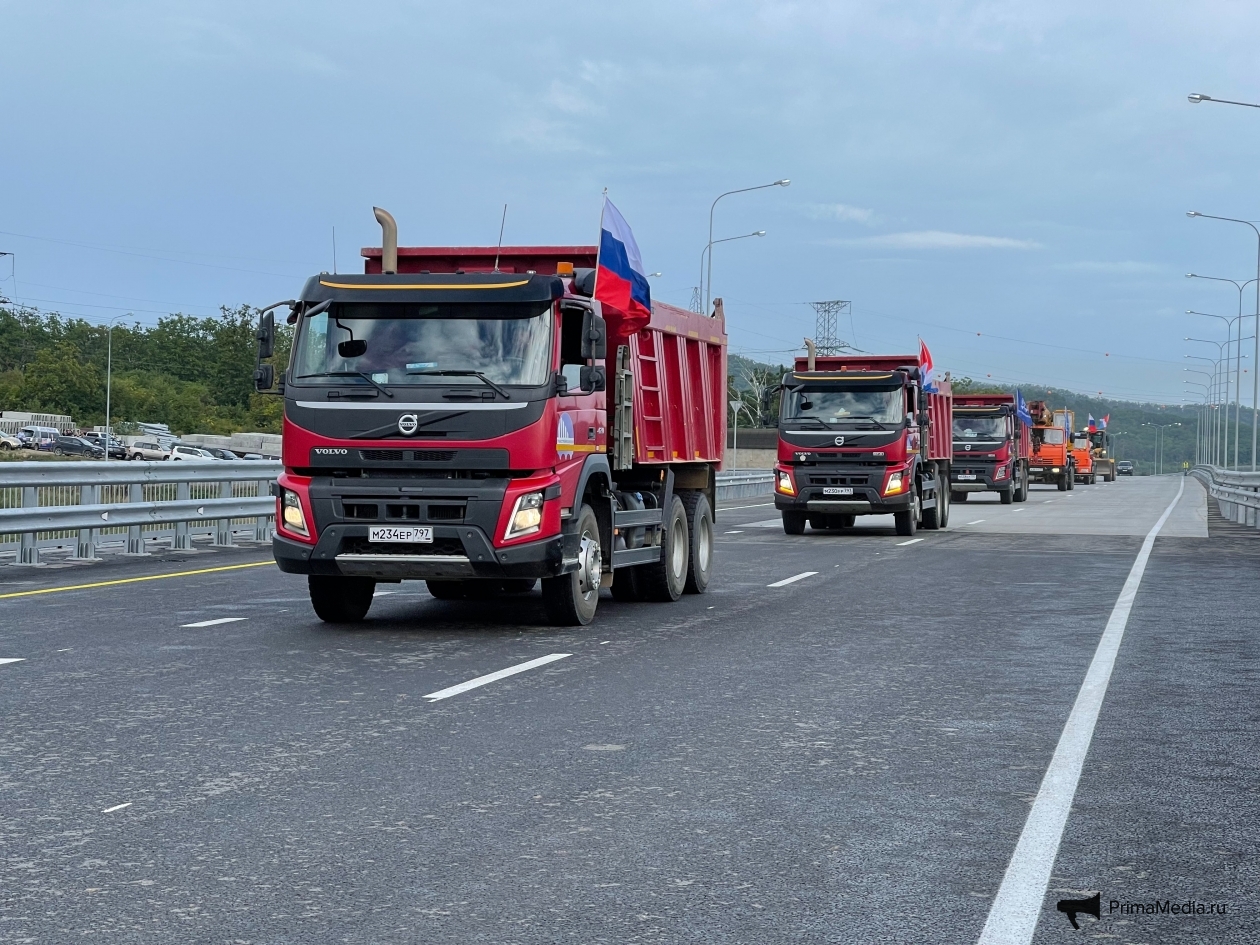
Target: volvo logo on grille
point(408, 423)
point(967, 447)
point(839, 441)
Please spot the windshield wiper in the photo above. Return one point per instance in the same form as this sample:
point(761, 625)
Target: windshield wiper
point(870, 419)
point(477, 374)
point(818, 420)
point(363, 374)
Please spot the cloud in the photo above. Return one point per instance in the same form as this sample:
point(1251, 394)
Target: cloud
point(939, 239)
point(840, 211)
point(1116, 268)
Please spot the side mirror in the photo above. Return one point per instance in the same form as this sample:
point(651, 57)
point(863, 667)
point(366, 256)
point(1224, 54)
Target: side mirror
point(594, 337)
point(264, 378)
point(593, 378)
point(266, 336)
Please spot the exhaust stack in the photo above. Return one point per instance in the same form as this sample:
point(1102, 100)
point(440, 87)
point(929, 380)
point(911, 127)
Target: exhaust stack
point(389, 241)
point(812, 351)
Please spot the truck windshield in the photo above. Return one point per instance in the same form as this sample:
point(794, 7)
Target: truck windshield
point(979, 428)
point(833, 407)
point(410, 344)
point(1051, 436)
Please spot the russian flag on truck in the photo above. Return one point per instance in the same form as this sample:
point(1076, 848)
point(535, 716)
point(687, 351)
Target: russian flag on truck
point(620, 280)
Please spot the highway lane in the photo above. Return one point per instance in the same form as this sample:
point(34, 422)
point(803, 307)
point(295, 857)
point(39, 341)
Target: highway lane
point(842, 758)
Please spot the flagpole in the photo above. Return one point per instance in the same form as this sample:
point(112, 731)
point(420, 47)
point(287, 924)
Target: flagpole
point(599, 242)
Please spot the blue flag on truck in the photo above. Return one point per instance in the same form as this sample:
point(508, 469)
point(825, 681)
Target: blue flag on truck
point(1021, 409)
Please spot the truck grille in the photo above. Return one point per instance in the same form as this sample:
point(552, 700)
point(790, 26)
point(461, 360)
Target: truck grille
point(358, 510)
point(838, 480)
point(406, 456)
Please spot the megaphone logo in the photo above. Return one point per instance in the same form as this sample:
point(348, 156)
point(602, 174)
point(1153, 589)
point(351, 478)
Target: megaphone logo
point(1073, 907)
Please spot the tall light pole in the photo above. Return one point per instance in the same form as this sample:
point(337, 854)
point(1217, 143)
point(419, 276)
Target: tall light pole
point(708, 250)
point(1255, 380)
point(1198, 419)
point(736, 406)
point(1237, 382)
point(1229, 323)
point(109, 368)
point(707, 280)
point(1217, 434)
point(1159, 443)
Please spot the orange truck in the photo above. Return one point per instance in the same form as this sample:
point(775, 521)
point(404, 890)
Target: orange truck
point(1083, 459)
point(1051, 460)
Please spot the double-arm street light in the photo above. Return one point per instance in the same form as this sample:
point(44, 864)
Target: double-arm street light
point(1203, 432)
point(1255, 381)
point(706, 279)
point(708, 251)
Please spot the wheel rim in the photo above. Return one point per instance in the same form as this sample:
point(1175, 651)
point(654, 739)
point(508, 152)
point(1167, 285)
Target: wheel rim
point(704, 546)
point(678, 548)
point(590, 573)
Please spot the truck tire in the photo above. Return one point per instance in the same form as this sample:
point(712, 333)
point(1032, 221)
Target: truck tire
point(1007, 496)
point(1071, 479)
point(1063, 481)
point(665, 580)
point(938, 517)
point(908, 521)
point(700, 552)
point(340, 599)
point(1021, 494)
point(571, 599)
point(793, 523)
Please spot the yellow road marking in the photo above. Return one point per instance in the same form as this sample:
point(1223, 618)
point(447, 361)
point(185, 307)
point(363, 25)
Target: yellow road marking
point(151, 577)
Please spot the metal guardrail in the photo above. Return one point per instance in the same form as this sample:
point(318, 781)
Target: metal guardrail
point(744, 483)
point(1237, 493)
point(86, 506)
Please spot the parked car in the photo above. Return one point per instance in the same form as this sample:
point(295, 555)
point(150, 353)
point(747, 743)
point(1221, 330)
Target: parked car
point(117, 449)
point(1124, 468)
point(39, 438)
point(147, 449)
point(219, 453)
point(190, 454)
point(76, 446)
point(9, 442)
point(254, 456)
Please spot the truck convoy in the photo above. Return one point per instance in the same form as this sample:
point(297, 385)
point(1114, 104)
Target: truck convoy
point(472, 417)
point(1051, 458)
point(860, 435)
point(991, 448)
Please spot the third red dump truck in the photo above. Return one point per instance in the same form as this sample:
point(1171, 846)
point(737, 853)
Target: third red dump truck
point(472, 417)
point(991, 448)
point(859, 435)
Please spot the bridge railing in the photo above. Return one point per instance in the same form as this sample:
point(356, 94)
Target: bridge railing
point(89, 506)
point(1237, 493)
point(744, 483)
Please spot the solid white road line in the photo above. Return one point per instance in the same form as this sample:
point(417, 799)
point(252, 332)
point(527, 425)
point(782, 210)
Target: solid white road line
point(494, 677)
point(736, 532)
point(213, 623)
point(110, 810)
point(793, 579)
point(976, 522)
point(910, 542)
point(12, 659)
point(1017, 906)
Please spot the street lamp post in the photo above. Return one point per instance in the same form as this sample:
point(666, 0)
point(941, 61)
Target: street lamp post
point(109, 370)
point(736, 406)
point(1255, 380)
point(1229, 322)
point(708, 250)
point(708, 279)
point(1237, 377)
point(1159, 444)
point(1219, 379)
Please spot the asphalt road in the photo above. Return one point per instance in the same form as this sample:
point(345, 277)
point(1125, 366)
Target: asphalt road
point(848, 757)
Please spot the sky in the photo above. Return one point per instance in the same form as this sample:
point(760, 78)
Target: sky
point(1008, 181)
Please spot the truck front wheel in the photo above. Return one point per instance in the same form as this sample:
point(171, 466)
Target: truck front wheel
point(700, 528)
point(1064, 480)
point(340, 599)
point(793, 523)
point(571, 599)
point(907, 522)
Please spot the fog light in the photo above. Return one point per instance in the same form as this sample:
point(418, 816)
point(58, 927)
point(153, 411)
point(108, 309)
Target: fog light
point(294, 519)
point(895, 484)
point(785, 483)
point(1054, 469)
point(526, 516)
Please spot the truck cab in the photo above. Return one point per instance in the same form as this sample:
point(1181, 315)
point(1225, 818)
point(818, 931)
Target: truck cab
point(991, 446)
point(1051, 458)
point(860, 436)
point(1083, 459)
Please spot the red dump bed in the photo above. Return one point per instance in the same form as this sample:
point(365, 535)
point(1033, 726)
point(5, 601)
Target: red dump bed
point(678, 358)
point(939, 404)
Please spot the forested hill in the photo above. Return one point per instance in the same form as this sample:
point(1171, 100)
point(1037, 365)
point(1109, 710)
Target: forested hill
point(195, 374)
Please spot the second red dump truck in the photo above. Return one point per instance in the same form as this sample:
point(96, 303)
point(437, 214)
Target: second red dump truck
point(473, 418)
point(859, 435)
point(991, 448)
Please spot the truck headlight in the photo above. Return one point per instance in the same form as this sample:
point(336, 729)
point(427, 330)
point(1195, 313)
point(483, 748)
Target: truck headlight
point(896, 483)
point(784, 483)
point(1000, 473)
point(1054, 469)
point(526, 516)
point(294, 518)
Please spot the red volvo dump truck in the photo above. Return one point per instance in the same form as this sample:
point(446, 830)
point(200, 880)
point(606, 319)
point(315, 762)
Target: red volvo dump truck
point(858, 435)
point(991, 448)
point(471, 417)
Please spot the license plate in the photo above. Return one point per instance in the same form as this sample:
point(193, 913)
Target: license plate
point(837, 490)
point(966, 476)
point(418, 534)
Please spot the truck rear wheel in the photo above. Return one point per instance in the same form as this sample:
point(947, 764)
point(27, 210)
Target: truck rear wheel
point(937, 517)
point(793, 523)
point(908, 521)
point(571, 599)
point(1021, 492)
point(666, 579)
point(340, 599)
point(700, 553)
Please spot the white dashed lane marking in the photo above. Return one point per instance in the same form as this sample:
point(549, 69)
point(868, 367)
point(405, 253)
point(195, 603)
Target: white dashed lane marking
point(910, 542)
point(793, 579)
point(110, 810)
point(12, 659)
point(495, 676)
point(213, 623)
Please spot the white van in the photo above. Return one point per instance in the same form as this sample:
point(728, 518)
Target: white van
point(38, 438)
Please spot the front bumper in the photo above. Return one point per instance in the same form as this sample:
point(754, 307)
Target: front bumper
point(458, 552)
point(1045, 474)
point(979, 478)
point(864, 501)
